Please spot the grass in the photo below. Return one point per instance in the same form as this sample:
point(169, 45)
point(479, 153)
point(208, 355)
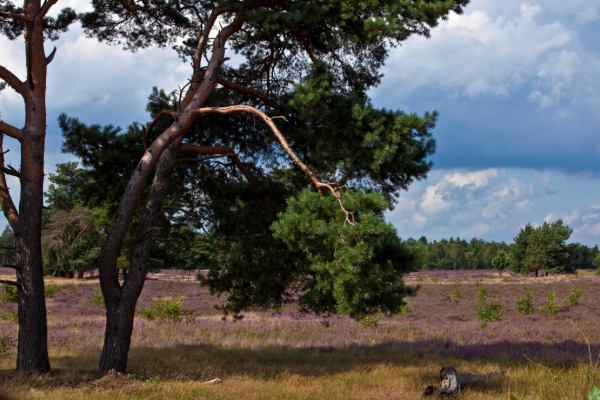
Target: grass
point(278, 374)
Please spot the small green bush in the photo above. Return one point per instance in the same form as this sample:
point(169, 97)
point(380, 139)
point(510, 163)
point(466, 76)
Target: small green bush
point(12, 316)
point(435, 279)
point(489, 312)
point(97, 298)
point(457, 292)
point(369, 321)
point(525, 304)
point(594, 394)
point(10, 294)
point(575, 297)
point(6, 343)
point(50, 290)
point(551, 307)
point(405, 309)
point(72, 289)
point(161, 310)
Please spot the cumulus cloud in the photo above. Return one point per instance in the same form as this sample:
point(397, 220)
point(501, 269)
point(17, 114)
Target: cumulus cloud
point(474, 54)
point(493, 204)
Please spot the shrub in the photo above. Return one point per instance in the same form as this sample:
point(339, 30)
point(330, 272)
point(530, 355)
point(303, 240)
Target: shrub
point(575, 297)
point(72, 289)
point(173, 310)
point(457, 292)
point(10, 294)
point(525, 304)
point(435, 279)
point(405, 309)
point(97, 298)
point(482, 292)
point(12, 316)
point(487, 312)
point(551, 307)
point(6, 343)
point(51, 289)
point(594, 394)
point(370, 321)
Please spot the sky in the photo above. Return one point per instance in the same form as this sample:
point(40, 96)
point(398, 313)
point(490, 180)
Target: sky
point(517, 86)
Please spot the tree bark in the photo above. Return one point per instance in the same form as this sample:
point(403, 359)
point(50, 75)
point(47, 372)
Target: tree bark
point(80, 274)
point(32, 347)
point(119, 328)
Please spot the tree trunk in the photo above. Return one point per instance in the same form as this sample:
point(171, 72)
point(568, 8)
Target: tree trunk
point(117, 336)
point(32, 354)
point(122, 299)
point(80, 274)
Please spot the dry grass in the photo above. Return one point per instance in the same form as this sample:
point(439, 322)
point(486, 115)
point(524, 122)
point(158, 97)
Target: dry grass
point(279, 374)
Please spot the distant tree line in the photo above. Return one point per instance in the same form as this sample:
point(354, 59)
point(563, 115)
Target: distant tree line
point(533, 249)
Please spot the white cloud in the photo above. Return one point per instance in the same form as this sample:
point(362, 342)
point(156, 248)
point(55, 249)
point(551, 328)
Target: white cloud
point(474, 54)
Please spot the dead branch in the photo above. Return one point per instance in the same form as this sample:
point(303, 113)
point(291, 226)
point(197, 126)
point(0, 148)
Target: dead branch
point(9, 130)
point(10, 171)
point(8, 248)
point(451, 382)
point(333, 187)
point(155, 120)
point(16, 267)
point(17, 284)
point(8, 206)
point(51, 56)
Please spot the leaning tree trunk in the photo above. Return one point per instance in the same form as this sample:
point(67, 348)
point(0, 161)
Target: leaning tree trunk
point(121, 300)
point(120, 315)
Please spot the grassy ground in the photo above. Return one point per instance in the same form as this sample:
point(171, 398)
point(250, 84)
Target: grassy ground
point(288, 356)
point(279, 374)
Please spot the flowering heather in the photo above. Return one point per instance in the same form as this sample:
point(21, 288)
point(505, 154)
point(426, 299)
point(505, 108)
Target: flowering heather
point(439, 325)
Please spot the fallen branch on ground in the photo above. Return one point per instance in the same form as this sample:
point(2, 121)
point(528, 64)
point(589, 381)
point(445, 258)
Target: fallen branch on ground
point(451, 382)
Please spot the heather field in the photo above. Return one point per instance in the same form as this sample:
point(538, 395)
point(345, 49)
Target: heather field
point(283, 355)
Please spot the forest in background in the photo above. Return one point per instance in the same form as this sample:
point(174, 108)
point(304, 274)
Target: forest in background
point(75, 223)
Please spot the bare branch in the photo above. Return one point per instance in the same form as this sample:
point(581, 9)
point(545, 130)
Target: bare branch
point(51, 56)
point(11, 131)
point(8, 248)
point(8, 206)
point(242, 89)
point(190, 148)
point(10, 171)
point(13, 82)
point(155, 120)
point(17, 284)
point(11, 265)
point(333, 187)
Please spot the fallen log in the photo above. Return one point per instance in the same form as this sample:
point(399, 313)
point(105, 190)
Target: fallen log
point(451, 382)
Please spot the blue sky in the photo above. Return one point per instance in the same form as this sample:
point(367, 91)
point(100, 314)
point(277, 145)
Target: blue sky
point(517, 85)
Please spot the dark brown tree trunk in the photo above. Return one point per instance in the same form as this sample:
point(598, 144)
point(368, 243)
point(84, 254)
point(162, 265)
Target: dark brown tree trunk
point(32, 354)
point(80, 274)
point(119, 327)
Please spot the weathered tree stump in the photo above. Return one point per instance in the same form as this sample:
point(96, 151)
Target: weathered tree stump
point(451, 382)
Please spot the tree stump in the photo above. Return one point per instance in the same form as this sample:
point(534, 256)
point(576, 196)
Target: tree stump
point(451, 382)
